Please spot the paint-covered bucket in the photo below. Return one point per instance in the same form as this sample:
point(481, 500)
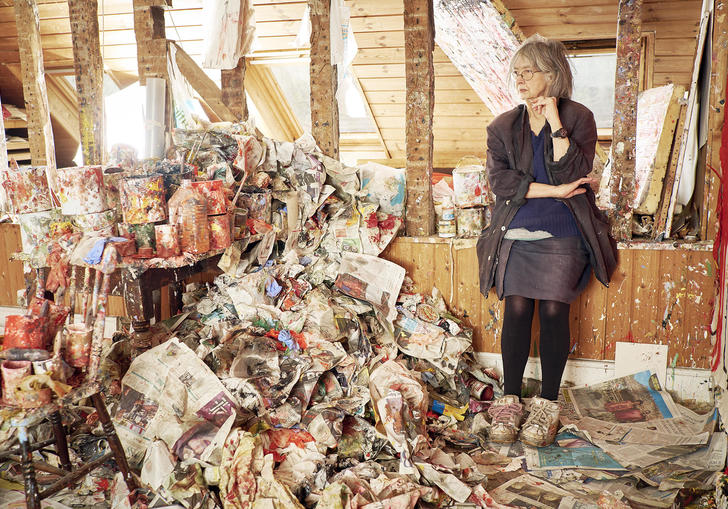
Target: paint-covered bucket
point(220, 237)
point(167, 240)
point(27, 190)
point(81, 190)
point(77, 344)
point(35, 229)
point(142, 199)
point(25, 331)
point(112, 187)
point(104, 222)
point(57, 314)
point(13, 372)
point(258, 203)
point(217, 203)
point(173, 173)
point(239, 222)
point(471, 221)
point(470, 185)
point(143, 234)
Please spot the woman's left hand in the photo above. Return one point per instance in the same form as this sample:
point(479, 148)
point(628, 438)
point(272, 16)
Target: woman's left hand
point(547, 106)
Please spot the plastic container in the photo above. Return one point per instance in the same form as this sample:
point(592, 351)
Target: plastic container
point(188, 211)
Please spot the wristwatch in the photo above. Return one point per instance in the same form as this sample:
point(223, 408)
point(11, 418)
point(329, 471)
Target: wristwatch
point(560, 133)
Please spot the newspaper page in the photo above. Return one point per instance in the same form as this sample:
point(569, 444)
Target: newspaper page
point(170, 394)
point(569, 451)
point(711, 457)
point(529, 491)
point(640, 455)
point(661, 432)
point(629, 399)
point(371, 279)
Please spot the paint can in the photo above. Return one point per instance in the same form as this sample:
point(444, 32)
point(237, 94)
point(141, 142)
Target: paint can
point(446, 228)
point(258, 203)
point(104, 222)
point(123, 156)
point(126, 247)
point(34, 399)
point(470, 185)
point(167, 240)
point(173, 173)
point(112, 187)
point(25, 331)
point(240, 219)
point(220, 237)
point(144, 236)
point(471, 221)
point(81, 190)
point(77, 344)
point(13, 372)
point(143, 199)
point(57, 314)
point(212, 190)
point(36, 228)
point(27, 190)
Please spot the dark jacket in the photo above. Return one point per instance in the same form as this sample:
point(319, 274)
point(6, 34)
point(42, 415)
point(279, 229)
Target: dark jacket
point(510, 172)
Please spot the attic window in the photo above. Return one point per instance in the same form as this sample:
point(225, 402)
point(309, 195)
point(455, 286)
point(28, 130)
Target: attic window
point(293, 78)
point(594, 85)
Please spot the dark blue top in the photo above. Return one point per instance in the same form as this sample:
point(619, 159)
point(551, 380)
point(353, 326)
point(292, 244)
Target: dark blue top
point(546, 214)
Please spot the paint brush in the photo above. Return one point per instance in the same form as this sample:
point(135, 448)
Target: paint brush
point(86, 292)
point(108, 266)
point(91, 313)
point(72, 294)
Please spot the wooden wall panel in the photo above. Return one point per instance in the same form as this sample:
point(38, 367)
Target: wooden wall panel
point(656, 296)
point(12, 272)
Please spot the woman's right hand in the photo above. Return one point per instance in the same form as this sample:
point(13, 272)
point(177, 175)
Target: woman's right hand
point(574, 188)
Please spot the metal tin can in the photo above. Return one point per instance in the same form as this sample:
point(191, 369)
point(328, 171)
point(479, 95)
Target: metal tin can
point(258, 203)
point(35, 228)
point(470, 185)
point(220, 237)
point(28, 190)
point(77, 344)
point(167, 240)
point(97, 222)
point(81, 190)
point(212, 190)
point(112, 186)
point(143, 200)
point(446, 228)
point(470, 221)
point(144, 235)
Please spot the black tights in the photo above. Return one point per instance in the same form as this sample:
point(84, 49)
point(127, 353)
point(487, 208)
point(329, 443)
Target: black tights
point(554, 343)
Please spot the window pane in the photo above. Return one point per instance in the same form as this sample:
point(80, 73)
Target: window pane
point(594, 85)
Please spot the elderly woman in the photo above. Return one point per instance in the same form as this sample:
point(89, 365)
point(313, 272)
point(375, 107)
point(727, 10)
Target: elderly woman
point(546, 234)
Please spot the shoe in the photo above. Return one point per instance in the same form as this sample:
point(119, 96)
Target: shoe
point(506, 414)
point(540, 427)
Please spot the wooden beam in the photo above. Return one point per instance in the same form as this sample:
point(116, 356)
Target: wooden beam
point(232, 82)
point(626, 88)
point(203, 85)
point(151, 40)
point(324, 108)
point(419, 42)
point(89, 68)
point(40, 133)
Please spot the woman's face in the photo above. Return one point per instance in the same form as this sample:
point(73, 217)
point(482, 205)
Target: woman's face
point(536, 86)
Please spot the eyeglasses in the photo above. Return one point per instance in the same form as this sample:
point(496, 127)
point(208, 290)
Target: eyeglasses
point(526, 74)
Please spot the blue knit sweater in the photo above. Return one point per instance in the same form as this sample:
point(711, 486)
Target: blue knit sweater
point(545, 214)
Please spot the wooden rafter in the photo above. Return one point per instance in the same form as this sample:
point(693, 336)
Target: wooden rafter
point(151, 44)
point(271, 103)
point(419, 43)
point(626, 87)
point(40, 133)
point(203, 85)
point(232, 83)
point(89, 68)
point(324, 108)
point(371, 114)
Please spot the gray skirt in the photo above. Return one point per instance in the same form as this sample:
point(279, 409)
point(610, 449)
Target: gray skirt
point(556, 268)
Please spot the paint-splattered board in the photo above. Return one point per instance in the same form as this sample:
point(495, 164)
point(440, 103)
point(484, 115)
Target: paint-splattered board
point(660, 294)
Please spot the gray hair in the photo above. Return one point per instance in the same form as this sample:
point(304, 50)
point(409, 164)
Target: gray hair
point(549, 56)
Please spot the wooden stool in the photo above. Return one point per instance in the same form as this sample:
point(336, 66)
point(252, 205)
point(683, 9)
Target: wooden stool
point(24, 453)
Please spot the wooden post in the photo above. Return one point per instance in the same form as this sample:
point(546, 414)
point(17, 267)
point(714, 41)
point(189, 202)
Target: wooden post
point(419, 41)
point(151, 40)
point(233, 90)
point(89, 67)
point(324, 108)
point(40, 133)
point(621, 184)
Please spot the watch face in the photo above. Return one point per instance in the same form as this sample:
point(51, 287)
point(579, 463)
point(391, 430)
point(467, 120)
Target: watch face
point(560, 133)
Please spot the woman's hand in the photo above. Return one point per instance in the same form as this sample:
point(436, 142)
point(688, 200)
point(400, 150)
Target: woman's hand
point(565, 191)
point(547, 106)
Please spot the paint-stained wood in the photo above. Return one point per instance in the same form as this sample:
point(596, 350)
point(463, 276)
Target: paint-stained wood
point(323, 79)
point(419, 39)
point(12, 278)
point(40, 134)
point(659, 296)
point(668, 183)
point(151, 44)
point(622, 184)
point(232, 83)
point(89, 69)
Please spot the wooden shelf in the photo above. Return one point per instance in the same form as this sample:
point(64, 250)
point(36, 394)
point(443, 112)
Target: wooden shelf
point(18, 144)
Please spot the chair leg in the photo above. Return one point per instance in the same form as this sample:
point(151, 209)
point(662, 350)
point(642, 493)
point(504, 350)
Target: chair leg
point(114, 441)
point(32, 501)
point(61, 443)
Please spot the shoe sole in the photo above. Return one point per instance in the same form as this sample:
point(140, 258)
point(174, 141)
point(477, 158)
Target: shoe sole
point(502, 441)
point(537, 444)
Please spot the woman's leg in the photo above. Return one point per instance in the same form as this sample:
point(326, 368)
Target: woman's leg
point(516, 341)
point(553, 345)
